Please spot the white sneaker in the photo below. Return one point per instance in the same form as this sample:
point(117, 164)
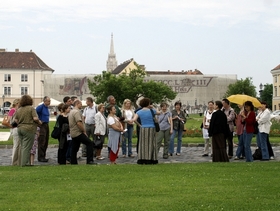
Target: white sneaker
point(272, 158)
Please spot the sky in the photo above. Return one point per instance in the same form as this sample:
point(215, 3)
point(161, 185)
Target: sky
point(214, 36)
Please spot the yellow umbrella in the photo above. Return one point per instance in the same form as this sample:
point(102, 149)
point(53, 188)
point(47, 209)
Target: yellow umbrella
point(241, 99)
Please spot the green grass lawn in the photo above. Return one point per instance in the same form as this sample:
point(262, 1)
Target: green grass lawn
point(201, 186)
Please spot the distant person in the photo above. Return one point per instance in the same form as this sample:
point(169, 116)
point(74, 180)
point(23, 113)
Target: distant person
point(147, 151)
point(100, 129)
point(263, 119)
point(114, 135)
point(206, 123)
point(240, 152)
point(64, 137)
point(89, 119)
point(248, 119)
point(14, 132)
point(229, 112)
point(179, 120)
point(112, 101)
point(43, 140)
point(166, 129)
point(27, 120)
point(34, 147)
point(78, 134)
point(128, 114)
point(67, 100)
point(218, 131)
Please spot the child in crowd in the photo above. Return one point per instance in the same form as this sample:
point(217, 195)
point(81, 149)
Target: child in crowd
point(34, 147)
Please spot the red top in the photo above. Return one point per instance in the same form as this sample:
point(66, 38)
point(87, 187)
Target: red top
point(250, 121)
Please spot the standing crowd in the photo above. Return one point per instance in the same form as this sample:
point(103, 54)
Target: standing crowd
point(90, 126)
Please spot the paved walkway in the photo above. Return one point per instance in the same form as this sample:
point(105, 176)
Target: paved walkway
point(188, 155)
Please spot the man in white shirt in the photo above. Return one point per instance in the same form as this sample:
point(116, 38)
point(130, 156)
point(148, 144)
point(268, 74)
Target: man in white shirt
point(89, 119)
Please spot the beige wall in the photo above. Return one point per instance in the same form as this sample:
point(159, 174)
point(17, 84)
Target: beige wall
point(276, 89)
point(58, 86)
point(34, 85)
point(196, 89)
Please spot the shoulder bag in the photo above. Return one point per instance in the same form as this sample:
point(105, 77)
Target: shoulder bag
point(155, 121)
point(56, 131)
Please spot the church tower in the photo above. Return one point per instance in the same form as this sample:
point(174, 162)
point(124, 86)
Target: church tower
point(111, 62)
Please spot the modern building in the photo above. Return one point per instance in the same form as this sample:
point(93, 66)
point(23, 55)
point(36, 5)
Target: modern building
point(22, 73)
point(276, 88)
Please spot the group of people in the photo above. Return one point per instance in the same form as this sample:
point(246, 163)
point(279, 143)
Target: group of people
point(90, 126)
point(220, 122)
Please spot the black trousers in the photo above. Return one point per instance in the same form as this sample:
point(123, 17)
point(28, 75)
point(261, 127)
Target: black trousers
point(76, 142)
point(230, 144)
point(61, 154)
point(43, 141)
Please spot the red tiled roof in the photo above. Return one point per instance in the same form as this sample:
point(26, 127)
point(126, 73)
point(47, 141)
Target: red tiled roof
point(277, 68)
point(22, 60)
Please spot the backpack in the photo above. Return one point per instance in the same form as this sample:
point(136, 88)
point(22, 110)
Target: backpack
point(257, 154)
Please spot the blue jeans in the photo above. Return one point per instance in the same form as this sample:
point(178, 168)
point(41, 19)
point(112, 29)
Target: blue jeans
point(179, 141)
point(240, 149)
point(128, 137)
point(247, 138)
point(262, 144)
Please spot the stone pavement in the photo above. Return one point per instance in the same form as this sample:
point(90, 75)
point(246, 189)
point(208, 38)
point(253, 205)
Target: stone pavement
point(190, 154)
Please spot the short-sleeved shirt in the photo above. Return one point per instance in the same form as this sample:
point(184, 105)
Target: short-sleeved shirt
point(74, 117)
point(89, 114)
point(146, 118)
point(163, 120)
point(43, 113)
point(208, 116)
point(24, 116)
point(111, 120)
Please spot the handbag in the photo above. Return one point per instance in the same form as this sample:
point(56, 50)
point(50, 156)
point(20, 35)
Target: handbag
point(155, 121)
point(56, 131)
point(6, 123)
point(98, 142)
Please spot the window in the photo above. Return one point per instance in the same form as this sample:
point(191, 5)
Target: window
point(24, 77)
point(275, 91)
point(23, 90)
point(7, 90)
point(7, 77)
point(275, 79)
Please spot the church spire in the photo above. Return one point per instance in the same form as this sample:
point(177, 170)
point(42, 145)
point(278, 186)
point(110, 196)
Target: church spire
point(111, 62)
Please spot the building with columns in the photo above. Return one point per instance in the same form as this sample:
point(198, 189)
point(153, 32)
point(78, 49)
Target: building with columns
point(276, 88)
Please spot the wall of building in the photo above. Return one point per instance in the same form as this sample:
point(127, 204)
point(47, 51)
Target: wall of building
point(58, 86)
point(276, 90)
point(34, 84)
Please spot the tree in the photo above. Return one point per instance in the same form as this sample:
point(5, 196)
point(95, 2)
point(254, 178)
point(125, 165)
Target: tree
point(266, 95)
point(129, 86)
point(242, 87)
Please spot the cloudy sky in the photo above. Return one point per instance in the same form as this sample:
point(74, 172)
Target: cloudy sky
point(215, 36)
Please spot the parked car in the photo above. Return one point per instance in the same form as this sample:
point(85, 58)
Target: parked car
point(275, 114)
point(6, 107)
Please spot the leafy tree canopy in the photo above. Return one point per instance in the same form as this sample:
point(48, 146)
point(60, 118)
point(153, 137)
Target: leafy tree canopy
point(266, 95)
point(129, 86)
point(242, 87)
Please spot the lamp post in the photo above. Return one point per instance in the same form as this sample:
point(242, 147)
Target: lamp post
point(3, 97)
point(261, 89)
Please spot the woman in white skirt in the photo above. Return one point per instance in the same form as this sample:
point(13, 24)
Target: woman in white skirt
point(206, 124)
